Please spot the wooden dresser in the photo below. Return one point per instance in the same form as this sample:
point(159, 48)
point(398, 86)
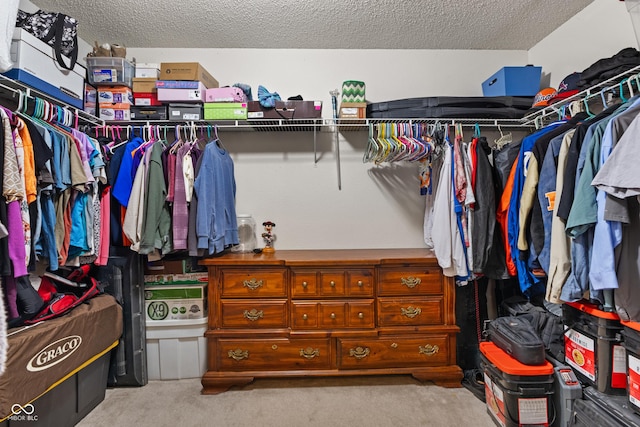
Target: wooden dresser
point(329, 313)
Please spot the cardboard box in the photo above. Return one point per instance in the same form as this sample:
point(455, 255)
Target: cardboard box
point(182, 95)
point(147, 70)
point(353, 110)
point(174, 266)
point(177, 279)
point(187, 71)
point(225, 111)
point(167, 302)
point(141, 99)
point(144, 84)
point(182, 112)
point(115, 95)
point(115, 112)
point(287, 110)
point(149, 113)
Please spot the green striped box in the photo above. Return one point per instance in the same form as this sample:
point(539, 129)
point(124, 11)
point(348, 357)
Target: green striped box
point(353, 91)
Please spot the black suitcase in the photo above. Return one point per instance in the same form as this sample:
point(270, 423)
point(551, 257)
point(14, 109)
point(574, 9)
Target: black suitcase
point(522, 103)
point(449, 112)
point(518, 338)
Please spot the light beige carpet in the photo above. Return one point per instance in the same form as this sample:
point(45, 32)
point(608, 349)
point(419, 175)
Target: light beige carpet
point(305, 402)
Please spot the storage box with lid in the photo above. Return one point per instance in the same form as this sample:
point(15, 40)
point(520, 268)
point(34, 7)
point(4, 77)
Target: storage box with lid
point(516, 394)
point(631, 343)
point(182, 112)
point(593, 346)
point(353, 110)
point(598, 409)
point(353, 91)
point(174, 302)
point(115, 95)
point(149, 113)
point(144, 85)
point(35, 65)
point(187, 71)
point(182, 95)
point(176, 349)
point(147, 69)
point(106, 70)
point(144, 99)
point(513, 81)
point(225, 111)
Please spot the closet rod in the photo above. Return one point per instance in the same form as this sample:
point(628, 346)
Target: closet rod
point(596, 90)
point(16, 88)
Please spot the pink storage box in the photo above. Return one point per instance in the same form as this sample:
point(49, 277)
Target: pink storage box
point(225, 94)
point(182, 95)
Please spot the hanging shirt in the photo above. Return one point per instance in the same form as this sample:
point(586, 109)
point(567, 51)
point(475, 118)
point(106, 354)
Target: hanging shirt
point(124, 182)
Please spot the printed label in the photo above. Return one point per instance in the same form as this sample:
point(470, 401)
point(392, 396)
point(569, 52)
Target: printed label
point(634, 380)
point(143, 102)
point(619, 367)
point(579, 352)
point(195, 116)
point(194, 95)
point(533, 411)
point(255, 115)
point(105, 75)
point(495, 400)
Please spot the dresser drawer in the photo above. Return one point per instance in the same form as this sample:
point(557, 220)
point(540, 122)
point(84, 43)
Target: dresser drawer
point(410, 281)
point(278, 354)
point(253, 283)
point(333, 314)
point(428, 350)
point(331, 283)
point(253, 314)
point(410, 311)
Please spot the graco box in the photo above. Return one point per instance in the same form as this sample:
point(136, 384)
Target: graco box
point(513, 81)
point(167, 302)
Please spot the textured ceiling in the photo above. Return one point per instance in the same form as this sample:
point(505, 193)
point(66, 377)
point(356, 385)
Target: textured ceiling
point(319, 24)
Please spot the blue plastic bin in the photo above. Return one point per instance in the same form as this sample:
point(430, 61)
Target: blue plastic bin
point(513, 81)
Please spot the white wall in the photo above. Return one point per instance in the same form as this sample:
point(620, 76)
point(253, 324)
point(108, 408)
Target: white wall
point(599, 31)
point(277, 180)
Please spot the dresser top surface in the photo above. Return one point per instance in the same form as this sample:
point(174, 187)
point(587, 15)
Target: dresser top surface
point(337, 257)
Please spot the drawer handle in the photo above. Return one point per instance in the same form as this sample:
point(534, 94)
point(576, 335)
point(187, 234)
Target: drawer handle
point(254, 314)
point(238, 354)
point(309, 353)
point(411, 282)
point(332, 315)
point(305, 317)
point(394, 345)
point(429, 349)
point(332, 284)
point(411, 312)
point(253, 284)
point(360, 283)
point(361, 315)
point(359, 352)
point(305, 284)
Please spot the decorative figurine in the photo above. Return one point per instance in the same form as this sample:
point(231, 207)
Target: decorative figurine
point(268, 237)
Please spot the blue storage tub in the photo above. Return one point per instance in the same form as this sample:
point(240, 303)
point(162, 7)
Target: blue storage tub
point(513, 81)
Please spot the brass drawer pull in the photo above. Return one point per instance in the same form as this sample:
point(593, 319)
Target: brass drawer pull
point(254, 314)
point(411, 282)
point(332, 315)
point(309, 353)
point(359, 352)
point(253, 284)
point(238, 354)
point(429, 349)
point(305, 284)
point(332, 284)
point(411, 312)
point(305, 316)
point(360, 283)
point(361, 315)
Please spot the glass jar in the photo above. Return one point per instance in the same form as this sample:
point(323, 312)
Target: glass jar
point(246, 234)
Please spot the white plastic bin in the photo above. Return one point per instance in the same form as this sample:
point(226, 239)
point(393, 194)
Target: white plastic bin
point(176, 349)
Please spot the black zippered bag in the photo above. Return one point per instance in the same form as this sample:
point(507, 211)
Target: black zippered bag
point(518, 338)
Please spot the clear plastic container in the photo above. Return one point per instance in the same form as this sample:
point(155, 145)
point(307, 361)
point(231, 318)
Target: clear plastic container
point(109, 71)
point(246, 234)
